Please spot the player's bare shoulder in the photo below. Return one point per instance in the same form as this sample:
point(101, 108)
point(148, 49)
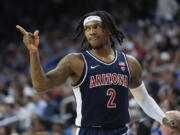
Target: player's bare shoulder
point(136, 71)
point(76, 62)
point(133, 62)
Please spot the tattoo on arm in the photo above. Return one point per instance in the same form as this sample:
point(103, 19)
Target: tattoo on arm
point(59, 75)
point(56, 77)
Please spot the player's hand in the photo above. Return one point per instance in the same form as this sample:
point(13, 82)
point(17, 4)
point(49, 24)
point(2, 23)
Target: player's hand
point(171, 123)
point(31, 40)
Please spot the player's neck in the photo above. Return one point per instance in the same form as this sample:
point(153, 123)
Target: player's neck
point(105, 51)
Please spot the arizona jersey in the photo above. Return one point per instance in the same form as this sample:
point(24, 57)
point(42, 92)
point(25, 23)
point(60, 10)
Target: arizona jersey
point(102, 92)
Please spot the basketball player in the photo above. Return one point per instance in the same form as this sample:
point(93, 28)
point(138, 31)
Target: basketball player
point(101, 77)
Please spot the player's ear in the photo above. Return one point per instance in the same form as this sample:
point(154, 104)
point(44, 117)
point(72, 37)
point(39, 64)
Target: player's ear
point(108, 32)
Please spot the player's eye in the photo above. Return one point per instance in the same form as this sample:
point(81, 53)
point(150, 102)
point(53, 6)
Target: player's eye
point(96, 27)
point(87, 28)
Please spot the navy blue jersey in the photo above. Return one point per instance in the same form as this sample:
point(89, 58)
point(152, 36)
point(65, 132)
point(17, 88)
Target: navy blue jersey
point(102, 93)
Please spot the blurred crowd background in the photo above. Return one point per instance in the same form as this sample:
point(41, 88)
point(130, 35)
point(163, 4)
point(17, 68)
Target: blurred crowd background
point(152, 29)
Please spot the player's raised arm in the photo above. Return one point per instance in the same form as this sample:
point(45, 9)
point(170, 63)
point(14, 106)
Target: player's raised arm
point(41, 81)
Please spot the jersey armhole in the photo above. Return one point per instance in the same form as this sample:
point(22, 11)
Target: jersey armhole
point(83, 75)
point(125, 57)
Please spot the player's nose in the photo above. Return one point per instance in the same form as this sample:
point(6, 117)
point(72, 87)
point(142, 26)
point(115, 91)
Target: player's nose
point(93, 32)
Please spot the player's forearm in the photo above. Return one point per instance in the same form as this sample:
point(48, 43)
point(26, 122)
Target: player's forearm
point(151, 108)
point(147, 103)
point(39, 79)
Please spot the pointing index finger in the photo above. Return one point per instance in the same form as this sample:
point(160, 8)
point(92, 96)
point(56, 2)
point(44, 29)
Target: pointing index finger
point(22, 30)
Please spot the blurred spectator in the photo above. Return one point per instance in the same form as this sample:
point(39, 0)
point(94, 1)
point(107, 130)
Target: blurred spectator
point(39, 127)
point(40, 105)
point(166, 9)
point(173, 98)
point(51, 109)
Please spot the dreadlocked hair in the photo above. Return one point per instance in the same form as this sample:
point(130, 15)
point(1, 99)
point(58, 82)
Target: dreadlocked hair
point(107, 22)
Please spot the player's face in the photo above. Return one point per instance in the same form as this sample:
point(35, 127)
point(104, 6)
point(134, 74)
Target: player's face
point(96, 35)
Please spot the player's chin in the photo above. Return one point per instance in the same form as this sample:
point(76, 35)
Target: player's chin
point(96, 45)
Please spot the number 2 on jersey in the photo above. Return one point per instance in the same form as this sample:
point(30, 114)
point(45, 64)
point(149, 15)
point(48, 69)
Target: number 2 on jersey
point(112, 93)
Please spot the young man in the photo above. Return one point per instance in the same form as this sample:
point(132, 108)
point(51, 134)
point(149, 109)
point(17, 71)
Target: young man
point(101, 77)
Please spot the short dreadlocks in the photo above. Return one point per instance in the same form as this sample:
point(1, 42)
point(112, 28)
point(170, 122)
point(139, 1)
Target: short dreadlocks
point(107, 22)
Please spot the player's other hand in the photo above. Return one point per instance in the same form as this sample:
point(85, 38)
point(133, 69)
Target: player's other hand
point(172, 121)
point(31, 40)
